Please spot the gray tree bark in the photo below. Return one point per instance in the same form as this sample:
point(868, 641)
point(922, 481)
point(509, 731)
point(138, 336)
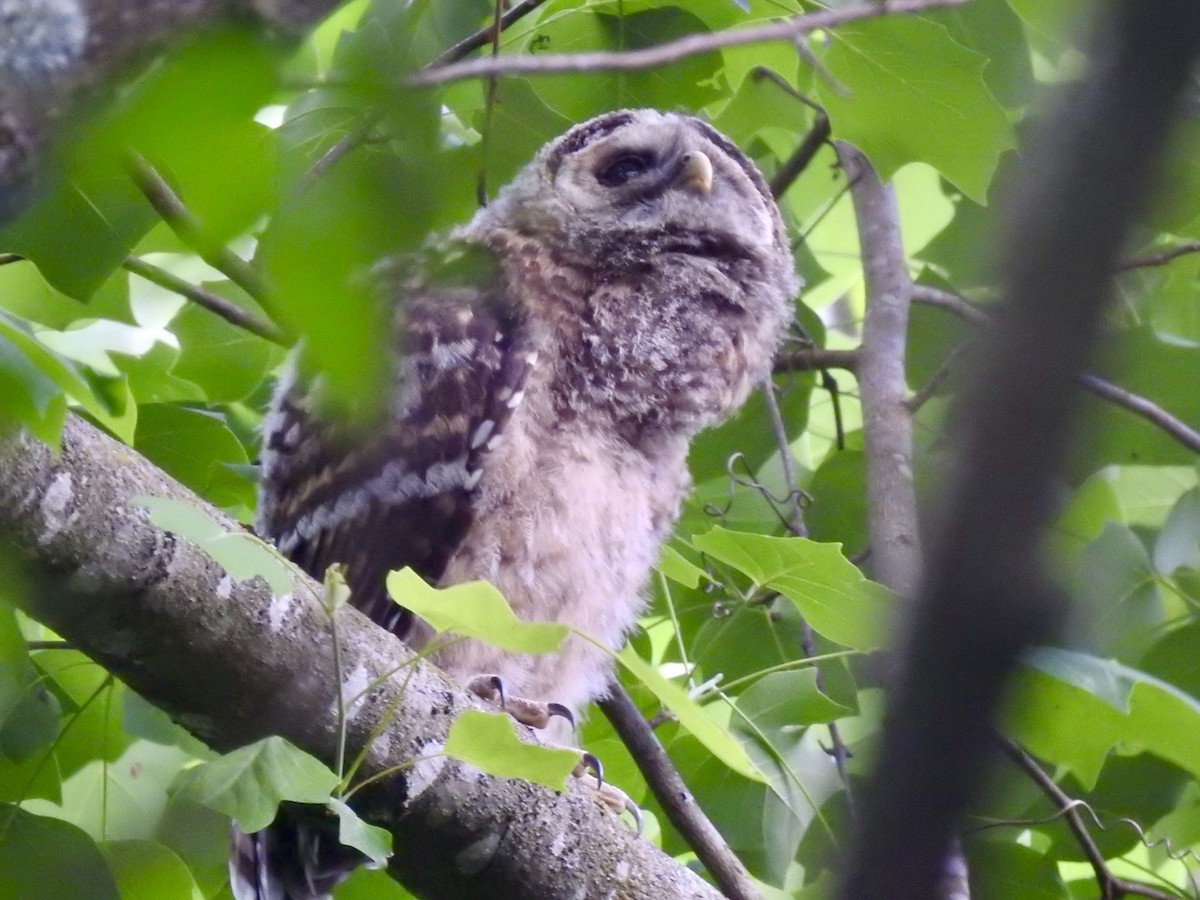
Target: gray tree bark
point(56, 55)
point(233, 663)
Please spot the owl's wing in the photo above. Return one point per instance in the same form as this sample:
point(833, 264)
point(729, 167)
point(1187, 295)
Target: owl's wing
point(399, 493)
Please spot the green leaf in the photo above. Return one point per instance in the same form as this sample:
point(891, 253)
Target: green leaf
point(29, 713)
point(196, 447)
point(146, 870)
point(35, 383)
point(1178, 544)
point(371, 840)
point(107, 214)
point(239, 553)
point(1073, 709)
point(750, 431)
point(831, 594)
point(476, 610)
point(92, 701)
point(838, 511)
point(907, 80)
point(27, 295)
point(783, 701)
point(716, 739)
point(1009, 870)
point(489, 742)
point(249, 784)
point(226, 361)
point(31, 726)
point(1118, 603)
point(48, 859)
point(672, 564)
point(1173, 311)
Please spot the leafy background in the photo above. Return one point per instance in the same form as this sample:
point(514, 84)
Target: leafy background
point(102, 794)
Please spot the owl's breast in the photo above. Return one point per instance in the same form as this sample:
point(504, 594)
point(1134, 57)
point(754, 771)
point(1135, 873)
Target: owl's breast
point(568, 523)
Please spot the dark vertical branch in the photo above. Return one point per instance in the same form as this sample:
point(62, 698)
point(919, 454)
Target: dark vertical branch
point(985, 596)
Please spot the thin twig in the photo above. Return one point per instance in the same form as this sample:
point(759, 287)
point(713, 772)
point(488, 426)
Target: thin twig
point(484, 35)
point(929, 388)
point(49, 645)
point(951, 303)
point(807, 359)
point(489, 108)
point(796, 515)
point(1140, 406)
point(331, 157)
point(674, 797)
point(1159, 259)
point(190, 230)
point(673, 51)
point(1111, 886)
point(816, 138)
point(215, 303)
point(359, 134)
point(1100, 387)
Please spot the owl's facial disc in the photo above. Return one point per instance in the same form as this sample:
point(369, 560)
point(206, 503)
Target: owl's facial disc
point(641, 172)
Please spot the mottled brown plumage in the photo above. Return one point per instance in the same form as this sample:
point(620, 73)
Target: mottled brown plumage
point(554, 358)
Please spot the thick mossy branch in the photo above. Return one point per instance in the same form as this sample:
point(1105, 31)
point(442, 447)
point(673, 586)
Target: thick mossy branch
point(233, 663)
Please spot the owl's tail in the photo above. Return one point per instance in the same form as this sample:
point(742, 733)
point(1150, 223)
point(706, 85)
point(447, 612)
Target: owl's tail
point(297, 857)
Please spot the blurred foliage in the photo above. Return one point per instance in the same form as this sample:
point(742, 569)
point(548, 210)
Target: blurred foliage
point(314, 161)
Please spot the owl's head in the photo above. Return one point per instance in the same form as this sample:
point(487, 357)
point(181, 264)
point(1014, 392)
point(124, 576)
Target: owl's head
point(635, 180)
point(684, 277)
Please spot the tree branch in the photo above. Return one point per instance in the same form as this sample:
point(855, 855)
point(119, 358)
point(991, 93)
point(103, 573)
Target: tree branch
point(1105, 390)
point(808, 359)
point(887, 423)
point(887, 420)
point(673, 51)
point(674, 797)
point(485, 34)
point(1159, 259)
point(985, 597)
point(817, 137)
point(232, 664)
point(215, 303)
point(184, 223)
point(1140, 406)
point(1111, 886)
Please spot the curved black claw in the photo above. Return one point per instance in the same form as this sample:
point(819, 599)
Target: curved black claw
point(557, 709)
point(636, 811)
point(497, 684)
point(591, 762)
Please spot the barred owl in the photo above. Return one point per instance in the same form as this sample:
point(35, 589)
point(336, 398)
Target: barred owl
point(553, 359)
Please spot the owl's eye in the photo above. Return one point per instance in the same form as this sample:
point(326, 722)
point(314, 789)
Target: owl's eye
point(625, 167)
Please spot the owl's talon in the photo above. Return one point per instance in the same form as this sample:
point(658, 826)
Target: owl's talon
point(534, 713)
point(589, 762)
point(557, 709)
point(608, 794)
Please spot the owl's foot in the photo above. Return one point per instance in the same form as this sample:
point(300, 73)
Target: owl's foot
point(534, 713)
point(537, 714)
point(591, 773)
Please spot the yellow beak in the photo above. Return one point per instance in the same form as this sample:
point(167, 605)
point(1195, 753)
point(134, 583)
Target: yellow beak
point(697, 173)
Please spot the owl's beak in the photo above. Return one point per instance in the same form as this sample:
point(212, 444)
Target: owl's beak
point(697, 172)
